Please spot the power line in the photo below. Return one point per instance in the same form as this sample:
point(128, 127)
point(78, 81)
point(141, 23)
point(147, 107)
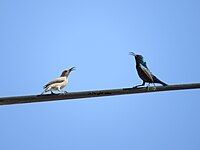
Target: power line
point(95, 93)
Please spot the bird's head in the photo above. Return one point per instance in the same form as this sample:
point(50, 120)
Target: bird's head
point(138, 58)
point(66, 72)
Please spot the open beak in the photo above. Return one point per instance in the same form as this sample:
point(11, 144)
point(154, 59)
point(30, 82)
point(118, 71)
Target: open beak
point(72, 69)
point(131, 53)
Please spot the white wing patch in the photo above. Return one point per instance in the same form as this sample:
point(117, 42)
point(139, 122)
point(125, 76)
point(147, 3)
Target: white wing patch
point(57, 80)
point(146, 71)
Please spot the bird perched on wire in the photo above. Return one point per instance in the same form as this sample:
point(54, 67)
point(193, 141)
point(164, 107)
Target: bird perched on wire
point(144, 72)
point(58, 83)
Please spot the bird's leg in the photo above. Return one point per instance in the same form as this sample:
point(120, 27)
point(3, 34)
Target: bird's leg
point(143, 83)
point(42, 92)
point(59, 89)
point(154, 86)
point(52, 92)
point(148, 86)
point(64, 92)
point(61, 92)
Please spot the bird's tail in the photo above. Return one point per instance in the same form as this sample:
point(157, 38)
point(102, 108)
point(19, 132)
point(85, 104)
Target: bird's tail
point(156, 80)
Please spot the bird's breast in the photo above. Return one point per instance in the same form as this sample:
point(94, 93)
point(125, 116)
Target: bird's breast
point(64, 83)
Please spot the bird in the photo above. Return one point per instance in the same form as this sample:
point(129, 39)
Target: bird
point(58, 83)
point(144, 72)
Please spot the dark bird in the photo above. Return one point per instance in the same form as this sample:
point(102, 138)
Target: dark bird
point(144, 72)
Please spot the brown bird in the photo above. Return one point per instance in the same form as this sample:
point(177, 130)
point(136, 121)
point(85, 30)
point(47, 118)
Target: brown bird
point(58, 83)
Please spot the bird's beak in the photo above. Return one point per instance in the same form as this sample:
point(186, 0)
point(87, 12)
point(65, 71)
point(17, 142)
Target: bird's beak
point(131, 53)
point(72, 69)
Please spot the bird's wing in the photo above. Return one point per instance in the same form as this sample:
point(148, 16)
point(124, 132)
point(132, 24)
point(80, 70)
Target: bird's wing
point(146, 71)
point(57, 80)
point(145, 65)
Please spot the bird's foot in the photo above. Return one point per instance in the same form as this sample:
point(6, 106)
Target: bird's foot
point(65, 92)
point(149, 88)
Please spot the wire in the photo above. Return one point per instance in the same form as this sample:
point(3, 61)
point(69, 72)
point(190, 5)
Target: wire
point(90, 94)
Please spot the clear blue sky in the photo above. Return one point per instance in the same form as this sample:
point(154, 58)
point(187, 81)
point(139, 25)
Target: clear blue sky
point(40, 38)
